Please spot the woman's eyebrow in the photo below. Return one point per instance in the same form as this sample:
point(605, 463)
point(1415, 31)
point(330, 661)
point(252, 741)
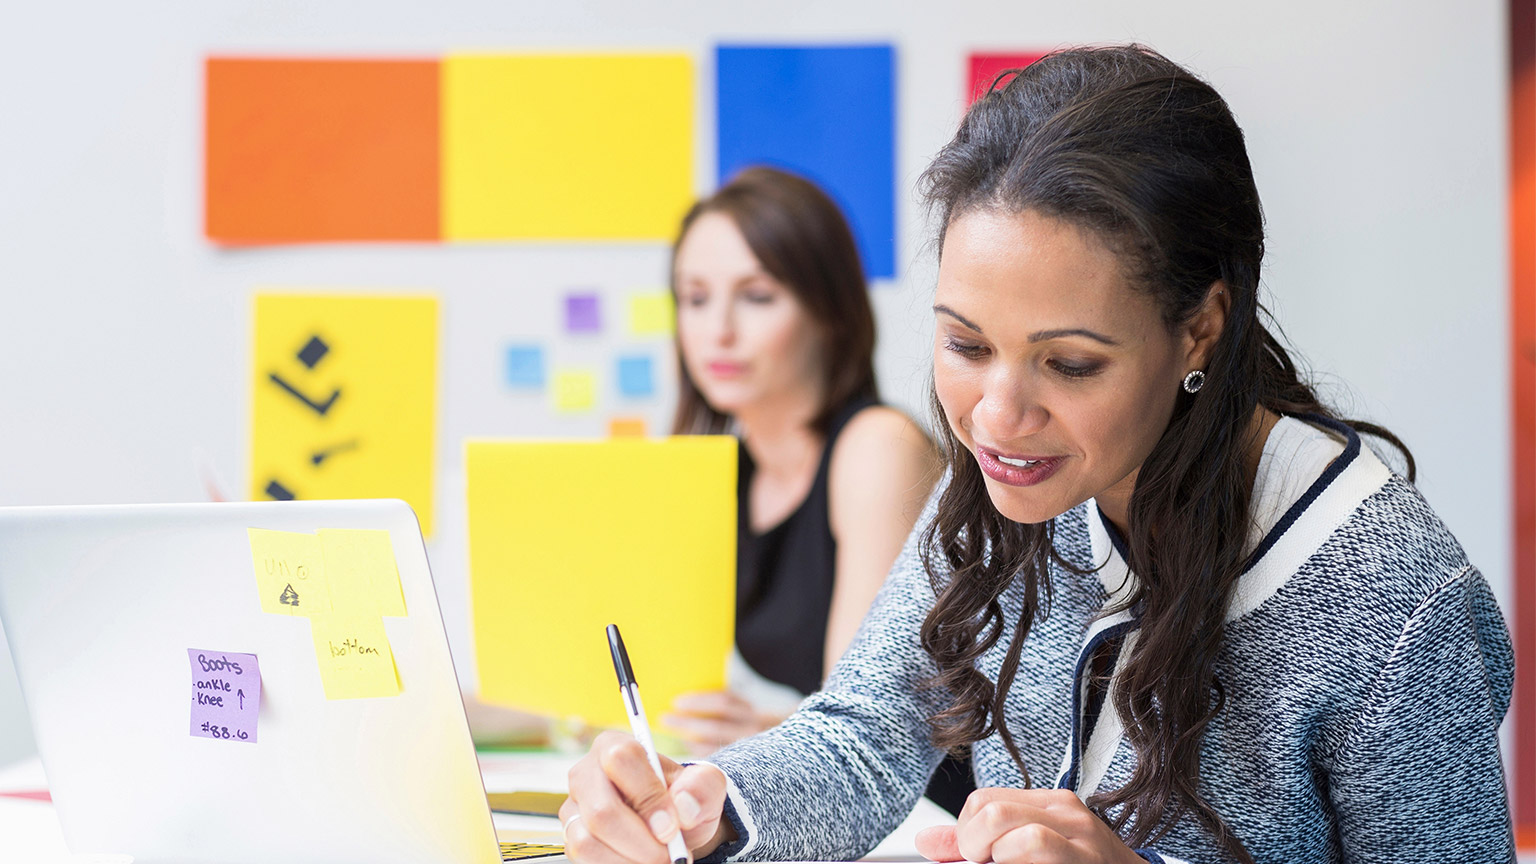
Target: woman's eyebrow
point(941, 308)
point(1041, 336)
point(1071, 331)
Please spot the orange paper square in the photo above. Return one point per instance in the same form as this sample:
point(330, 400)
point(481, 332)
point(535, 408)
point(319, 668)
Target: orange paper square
point(321, 150)
point(626, 427)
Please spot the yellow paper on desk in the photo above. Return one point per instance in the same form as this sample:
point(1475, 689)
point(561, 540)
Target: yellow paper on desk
point(290, 572)
point(360, 567)
point(566, 538)
point(354, 656)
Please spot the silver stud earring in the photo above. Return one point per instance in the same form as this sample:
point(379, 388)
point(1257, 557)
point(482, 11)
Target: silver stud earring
point(1194, 381)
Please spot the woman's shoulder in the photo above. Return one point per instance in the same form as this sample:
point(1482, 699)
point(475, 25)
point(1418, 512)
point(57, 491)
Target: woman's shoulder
point(881, 441)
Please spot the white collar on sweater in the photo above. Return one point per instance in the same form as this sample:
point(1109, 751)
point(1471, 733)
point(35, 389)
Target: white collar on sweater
point(1311, 479)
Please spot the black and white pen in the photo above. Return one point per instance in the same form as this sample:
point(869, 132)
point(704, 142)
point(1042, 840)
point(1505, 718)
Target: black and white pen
point(639, 726)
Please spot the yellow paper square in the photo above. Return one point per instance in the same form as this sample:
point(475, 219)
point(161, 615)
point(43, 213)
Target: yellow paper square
point(290, 572)
point(344, 398)
point(575, 391)
point(354, 656)
point(555, 146)
point(651, 314)
point(360, 569)
point(566, 538)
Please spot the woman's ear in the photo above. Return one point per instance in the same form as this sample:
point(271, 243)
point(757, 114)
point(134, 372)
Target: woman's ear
point(1203, 328)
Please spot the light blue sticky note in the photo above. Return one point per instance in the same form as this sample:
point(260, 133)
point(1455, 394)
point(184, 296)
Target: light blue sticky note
point(525, 367)
point(635, 376)
point(826, 112)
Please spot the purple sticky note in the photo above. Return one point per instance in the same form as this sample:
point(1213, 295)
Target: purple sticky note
point(226, 694)
point(581, 314)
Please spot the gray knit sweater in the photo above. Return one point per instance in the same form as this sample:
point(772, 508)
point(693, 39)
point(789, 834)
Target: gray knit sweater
point(1366, 668)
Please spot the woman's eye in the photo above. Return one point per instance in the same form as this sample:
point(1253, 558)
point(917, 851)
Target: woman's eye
point(1075, 370)
point(761, 297)
point(968, 350)
point(695, 299)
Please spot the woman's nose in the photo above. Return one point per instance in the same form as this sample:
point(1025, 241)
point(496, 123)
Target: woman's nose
point(1009, 408)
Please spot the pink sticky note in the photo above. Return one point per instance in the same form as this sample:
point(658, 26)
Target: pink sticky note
point(226, 694)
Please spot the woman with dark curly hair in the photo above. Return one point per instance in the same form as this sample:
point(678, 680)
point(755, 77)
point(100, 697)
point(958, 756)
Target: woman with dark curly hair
point(1173, 606)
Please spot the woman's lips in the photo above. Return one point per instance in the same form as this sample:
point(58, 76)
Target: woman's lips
point(1017, 470)
point(722, 369)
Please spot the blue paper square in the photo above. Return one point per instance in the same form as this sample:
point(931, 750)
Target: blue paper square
point(635, 378)
point(827, 112)
point(525, 367)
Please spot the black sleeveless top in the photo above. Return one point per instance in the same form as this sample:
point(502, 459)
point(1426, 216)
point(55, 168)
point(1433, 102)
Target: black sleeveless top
point(784, 576)
point(784, 580)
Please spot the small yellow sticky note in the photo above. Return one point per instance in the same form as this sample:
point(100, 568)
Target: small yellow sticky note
point(651, 314)
point(360, 568)
point(354, 656)
point(290, 572)
point(575, 391)
point(667, 554)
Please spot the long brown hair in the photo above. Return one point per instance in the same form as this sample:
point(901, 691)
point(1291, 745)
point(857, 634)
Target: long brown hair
point(802, 240)
point(1129, 145)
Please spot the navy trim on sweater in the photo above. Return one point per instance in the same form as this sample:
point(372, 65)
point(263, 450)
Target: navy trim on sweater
point(1082, 727)
point(1334, 469)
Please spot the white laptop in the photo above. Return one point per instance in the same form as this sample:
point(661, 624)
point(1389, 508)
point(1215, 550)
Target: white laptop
point(101, 605)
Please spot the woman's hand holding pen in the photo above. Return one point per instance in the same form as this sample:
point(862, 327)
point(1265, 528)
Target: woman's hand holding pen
point(619, 812)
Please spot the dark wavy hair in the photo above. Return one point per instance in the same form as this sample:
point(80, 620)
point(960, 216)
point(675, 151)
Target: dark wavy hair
point(801, 239)
point(1130, 146)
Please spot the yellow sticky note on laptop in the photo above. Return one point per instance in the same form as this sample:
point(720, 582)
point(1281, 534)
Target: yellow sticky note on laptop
point(290, 572)
point(360, 568)
point(354, 656)
point(566, 538)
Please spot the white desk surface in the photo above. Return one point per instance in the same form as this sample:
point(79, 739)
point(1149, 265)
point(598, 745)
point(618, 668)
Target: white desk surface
point(31, 830)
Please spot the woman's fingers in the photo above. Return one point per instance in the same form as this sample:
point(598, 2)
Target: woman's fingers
point(714, 733)
point(938, 843)
point(1042, 826)
point(698, 795)
point(721, 704)
point(1035, 843)
point(625, 763)
point(608, 821)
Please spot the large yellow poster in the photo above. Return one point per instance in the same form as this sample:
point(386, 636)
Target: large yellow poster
point(566, 146)
point(344, 399)
point(567, 538)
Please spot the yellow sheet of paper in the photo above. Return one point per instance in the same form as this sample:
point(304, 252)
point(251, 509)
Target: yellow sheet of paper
point(651, 314)
point(575, 391)
point(354, 656)
point(360, 569)
point(553, 146)
point(290, 572)
point(344, 398)
point(566, 538)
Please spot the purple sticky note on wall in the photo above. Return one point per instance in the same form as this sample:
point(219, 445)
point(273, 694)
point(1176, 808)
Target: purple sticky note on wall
point(581, 313)
point(226, 694)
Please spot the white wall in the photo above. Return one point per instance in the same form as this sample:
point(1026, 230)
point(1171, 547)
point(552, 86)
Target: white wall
point(1377, 131)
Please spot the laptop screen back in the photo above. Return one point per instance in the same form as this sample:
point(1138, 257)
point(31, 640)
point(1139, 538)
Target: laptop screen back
point(107, 610)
